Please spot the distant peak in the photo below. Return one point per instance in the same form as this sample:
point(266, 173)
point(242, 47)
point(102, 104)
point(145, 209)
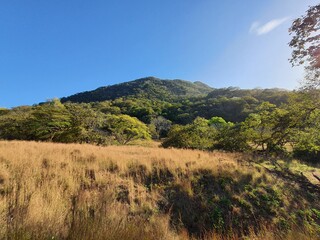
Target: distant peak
point(199, 83)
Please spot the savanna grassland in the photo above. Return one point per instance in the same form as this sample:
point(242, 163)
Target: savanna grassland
point(81, 191)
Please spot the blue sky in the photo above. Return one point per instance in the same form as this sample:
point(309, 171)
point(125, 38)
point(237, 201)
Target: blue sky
point(57, 48)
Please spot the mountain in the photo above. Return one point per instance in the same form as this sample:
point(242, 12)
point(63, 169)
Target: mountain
point(149, 87)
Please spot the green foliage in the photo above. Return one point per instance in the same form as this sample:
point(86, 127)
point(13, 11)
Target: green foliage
point(53, 121)
point(307, 140)
point(258, 126)
point(231, 138)
point(251, 96)
point(239, 120)
point(125, 128)
point(160, 126)
point(107, 107)
point(178, 101)
point(218, 122)
point(49, 122)
point(13, 124)
point(149, 87)
point(197, 135)
point(215, 133)
point(85, 124)
point(270, 128)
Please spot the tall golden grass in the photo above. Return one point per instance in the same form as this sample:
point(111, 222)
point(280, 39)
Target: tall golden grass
point(73, 191)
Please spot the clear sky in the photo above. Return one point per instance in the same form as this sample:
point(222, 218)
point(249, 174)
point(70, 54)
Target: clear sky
point(60, 47)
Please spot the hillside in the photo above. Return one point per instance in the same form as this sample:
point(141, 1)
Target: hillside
point(178, 100)
point(149, 87)
point(72, 191)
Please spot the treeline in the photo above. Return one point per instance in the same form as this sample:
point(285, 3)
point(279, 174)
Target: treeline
point(57, 122)
point(291, 128)
point(177, 100)
point(288, 123)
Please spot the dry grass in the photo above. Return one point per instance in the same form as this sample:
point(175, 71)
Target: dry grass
point(77, 191)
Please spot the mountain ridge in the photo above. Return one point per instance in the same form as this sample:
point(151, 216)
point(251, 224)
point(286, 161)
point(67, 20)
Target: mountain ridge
point(150, 87)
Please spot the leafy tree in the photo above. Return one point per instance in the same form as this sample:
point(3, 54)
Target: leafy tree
point(218, 122)
point(258, 126)
point(161, 126)
point(107, 107)
point(307, 141)
point(306, 45)
point(49, 121)
point(125, 128)
point(305, 120)
point(231, 138)
point(177, 137)
point(271, 128)
point(197, 135)
point(13, 123)
point(228, 135)
point(215, 133)
point(85, 124)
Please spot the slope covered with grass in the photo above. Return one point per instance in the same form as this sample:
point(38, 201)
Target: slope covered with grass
point(75, 191)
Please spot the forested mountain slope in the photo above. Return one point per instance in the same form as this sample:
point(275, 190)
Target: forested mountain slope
point(178, 100)
point(150, 87)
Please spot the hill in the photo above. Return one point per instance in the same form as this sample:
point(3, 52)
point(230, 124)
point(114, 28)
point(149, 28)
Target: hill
point(149, 87)
point(178, 100)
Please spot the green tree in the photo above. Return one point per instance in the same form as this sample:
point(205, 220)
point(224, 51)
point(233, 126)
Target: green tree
point(197, 135)
point(13, 123)
point(49, 122)
point(271, 128)
point(161, 126)
point(218, 122)
point(86, 123)
point(125, 128)
point(258, 126)
point(305, 122)
point(307, 140)
point(230, 138)
point(107, 107)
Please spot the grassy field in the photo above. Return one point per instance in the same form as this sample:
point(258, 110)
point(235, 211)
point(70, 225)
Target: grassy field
point(71, 191)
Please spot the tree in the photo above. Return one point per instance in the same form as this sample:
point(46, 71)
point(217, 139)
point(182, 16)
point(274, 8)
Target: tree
point(231, 138)
point(161, 126)
point(228, 136)
point(125, 128)
point(13, 123)
point(305, 122)
point(258, 126)
point(218, 122)
point(306, 45)
point(85, 124)
point(49, 122)
point(307, 140)
point(197, 135)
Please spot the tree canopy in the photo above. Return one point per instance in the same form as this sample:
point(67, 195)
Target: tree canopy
point(306, 45)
